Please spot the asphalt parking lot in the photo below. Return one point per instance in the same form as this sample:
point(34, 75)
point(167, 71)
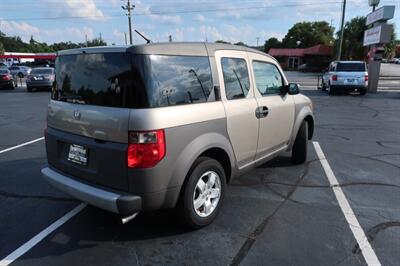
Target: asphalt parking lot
point(278, 214)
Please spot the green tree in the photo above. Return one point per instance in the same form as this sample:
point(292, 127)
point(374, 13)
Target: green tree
point(241, 44)
point(272, 43)
point(1, 48)
point(222, 41)
point(96, 42)
point(353, 37)
point(390, 48)
point(307, 34)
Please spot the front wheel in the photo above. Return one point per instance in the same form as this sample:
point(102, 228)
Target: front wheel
point(299, 151)
point(203, 193)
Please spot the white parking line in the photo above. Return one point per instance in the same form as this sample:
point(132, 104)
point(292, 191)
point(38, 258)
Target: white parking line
point(366, 249)
point(21, 145)
point(39, 237)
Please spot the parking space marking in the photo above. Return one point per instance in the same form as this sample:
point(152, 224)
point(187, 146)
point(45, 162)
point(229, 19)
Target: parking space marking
point(39, 237)
point(21, 145)
point(359, 234)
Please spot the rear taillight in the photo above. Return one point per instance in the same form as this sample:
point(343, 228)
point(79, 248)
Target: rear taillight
point(334, 77)
point(6, 77)
point(146, 148)
point(366, 78)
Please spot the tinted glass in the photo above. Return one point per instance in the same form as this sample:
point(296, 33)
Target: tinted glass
point(350, 67)
point(4, 72)
point(44, 71)
point(97, 79)
point(133, 81)
point(174, 80)
point(268, 78)
point(236, 78)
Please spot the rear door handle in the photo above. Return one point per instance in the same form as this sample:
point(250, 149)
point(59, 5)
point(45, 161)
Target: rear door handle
point(262, 111)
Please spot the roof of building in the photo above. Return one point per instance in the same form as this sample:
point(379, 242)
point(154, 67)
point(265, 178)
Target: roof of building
point(319, 49)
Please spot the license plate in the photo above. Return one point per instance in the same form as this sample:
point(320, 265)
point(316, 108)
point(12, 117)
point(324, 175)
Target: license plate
point(77, 154)
point(350, 81)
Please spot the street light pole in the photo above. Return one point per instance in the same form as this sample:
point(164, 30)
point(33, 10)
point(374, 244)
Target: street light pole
point(339, 55)
point(128, 8)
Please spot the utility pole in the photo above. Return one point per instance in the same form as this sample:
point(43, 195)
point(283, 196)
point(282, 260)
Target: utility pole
point(339, 55)
point(126, 42)
point(257, 38)
point(128, 8)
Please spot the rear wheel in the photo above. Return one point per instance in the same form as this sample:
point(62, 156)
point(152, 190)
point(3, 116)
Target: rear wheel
point(323, 87)
point(331, 90)
point(29, 89)
point(11, 86)
point(299, 151)
point(363, 91)
point(203, 193)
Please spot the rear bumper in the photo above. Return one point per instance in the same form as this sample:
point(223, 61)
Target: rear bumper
point(116, 202)
point(349, 87)
point(39, 83)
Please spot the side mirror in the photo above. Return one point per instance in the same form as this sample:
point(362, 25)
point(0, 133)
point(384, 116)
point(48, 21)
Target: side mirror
point(284, 89)
point(293, 88)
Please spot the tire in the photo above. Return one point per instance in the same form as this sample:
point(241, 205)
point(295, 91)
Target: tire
point(29, 89)
point(331, 90)
point(11, 86)
point(363, 91)
point(20, 75)
point(203, 168)
point(299, 151)
point(323, 88)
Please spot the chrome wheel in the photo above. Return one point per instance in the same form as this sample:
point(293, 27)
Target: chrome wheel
point(207, 193)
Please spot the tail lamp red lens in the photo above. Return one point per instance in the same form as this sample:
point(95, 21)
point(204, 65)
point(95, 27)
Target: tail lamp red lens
point(334, 77)
point(146, 149)
point(366, 78)
point(6, 77)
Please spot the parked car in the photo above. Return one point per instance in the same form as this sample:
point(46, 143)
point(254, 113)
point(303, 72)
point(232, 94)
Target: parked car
point(156, 126)
point(6, 79)
point(394, 60)
point(346, 76)
point(40, 78)
point(20, 71)
point(309, 67)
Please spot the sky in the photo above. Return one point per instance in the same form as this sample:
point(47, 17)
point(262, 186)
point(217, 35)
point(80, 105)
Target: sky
point(196, 20)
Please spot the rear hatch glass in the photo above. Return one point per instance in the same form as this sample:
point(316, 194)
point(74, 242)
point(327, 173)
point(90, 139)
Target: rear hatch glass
point(350, 67)
point(133, 81)
point(94, 79)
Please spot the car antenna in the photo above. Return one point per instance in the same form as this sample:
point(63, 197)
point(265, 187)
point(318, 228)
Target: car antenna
point(144, 37)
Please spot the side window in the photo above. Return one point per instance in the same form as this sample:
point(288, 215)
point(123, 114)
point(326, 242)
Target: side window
point(179, 80)
point(236, 78)
point(268, 78)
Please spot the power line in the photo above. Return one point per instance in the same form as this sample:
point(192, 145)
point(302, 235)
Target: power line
point(183, 11)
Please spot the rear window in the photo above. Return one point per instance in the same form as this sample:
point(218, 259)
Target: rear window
point(133, 81)
point(350, 67)
point(4, 71)
point(43, 71)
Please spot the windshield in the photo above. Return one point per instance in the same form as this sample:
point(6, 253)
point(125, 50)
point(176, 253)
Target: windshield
point(132, 81)
point(43, 71)
point(350, 67)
